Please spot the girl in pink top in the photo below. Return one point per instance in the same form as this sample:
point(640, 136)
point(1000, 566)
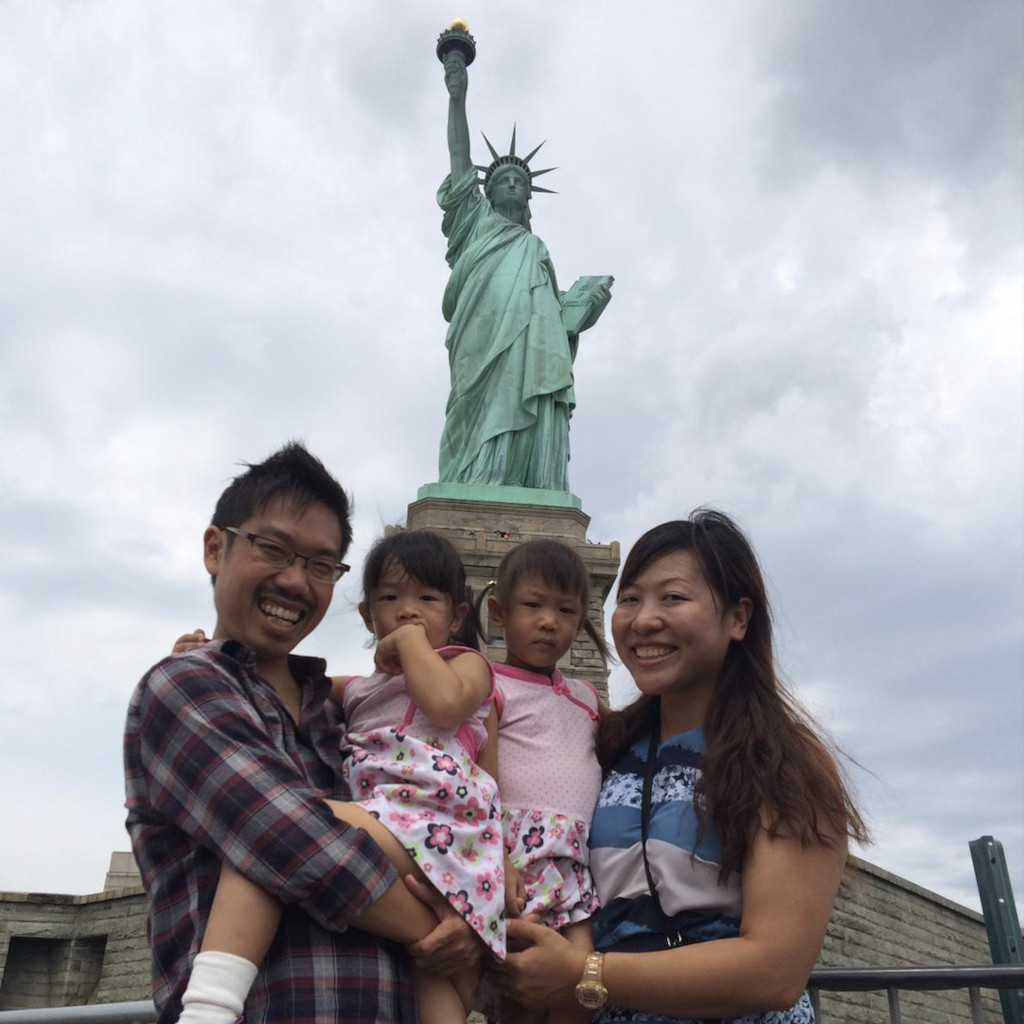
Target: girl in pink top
point(547, 724)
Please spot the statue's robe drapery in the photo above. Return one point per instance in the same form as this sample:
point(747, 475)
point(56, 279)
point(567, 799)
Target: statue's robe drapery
point(507, 420)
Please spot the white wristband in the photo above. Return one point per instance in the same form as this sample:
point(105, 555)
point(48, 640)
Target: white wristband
point(216, 989)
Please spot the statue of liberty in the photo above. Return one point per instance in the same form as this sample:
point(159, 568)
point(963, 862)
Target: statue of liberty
point(512, 334)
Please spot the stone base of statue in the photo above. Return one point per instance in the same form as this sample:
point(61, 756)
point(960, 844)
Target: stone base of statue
point(483, 531)
point(500, 494)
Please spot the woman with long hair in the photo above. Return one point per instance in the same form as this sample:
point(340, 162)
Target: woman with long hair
point(720, 834)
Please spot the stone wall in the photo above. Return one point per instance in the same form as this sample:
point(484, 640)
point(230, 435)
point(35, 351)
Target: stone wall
point(882, 920)
point(67, 950)
point(64, 950)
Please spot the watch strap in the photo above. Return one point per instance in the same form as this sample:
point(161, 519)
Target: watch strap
point(591, 991)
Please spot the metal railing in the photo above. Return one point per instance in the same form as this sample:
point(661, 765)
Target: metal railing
point(892, 980)
point(143, 1012)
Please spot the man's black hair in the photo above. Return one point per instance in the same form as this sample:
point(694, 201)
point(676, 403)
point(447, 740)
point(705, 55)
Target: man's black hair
point(292, 473)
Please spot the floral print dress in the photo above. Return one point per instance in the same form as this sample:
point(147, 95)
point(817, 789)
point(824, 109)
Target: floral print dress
point(423, 784)
point(550, 779)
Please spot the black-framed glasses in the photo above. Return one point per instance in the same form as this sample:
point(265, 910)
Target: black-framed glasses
point(280, 556)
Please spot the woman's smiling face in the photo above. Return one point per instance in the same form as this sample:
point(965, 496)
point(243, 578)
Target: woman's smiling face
point(672, 633)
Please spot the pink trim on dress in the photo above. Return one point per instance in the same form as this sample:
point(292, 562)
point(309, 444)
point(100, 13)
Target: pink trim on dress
point(556, 682)
point(464, 733)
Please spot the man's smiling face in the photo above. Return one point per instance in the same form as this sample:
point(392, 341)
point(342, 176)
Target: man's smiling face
point(269, 609)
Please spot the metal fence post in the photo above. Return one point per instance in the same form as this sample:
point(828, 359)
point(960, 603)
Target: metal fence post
point(816, 1004)
point(1004, 937)
point(895, 1017)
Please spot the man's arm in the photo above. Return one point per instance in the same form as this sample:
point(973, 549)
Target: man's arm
point(213, 769)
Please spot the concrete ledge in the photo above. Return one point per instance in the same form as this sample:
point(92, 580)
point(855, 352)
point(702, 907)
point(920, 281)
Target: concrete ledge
point(66, 900)
point(500, 495)
point(926, 894)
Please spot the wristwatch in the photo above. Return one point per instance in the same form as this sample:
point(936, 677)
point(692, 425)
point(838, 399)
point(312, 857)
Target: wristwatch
point(590, 992)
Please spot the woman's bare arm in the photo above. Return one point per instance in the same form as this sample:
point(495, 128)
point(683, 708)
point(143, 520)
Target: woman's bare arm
point(788, 892)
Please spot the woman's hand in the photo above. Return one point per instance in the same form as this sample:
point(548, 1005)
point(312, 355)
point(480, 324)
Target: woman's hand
point(542, 968)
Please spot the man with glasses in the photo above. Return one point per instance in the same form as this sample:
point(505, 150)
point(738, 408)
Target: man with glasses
point(229, 751)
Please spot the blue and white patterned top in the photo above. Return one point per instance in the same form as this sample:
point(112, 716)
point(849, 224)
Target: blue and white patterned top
point(685, 872)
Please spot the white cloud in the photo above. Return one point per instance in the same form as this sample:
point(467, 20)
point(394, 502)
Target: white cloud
point(222, 234)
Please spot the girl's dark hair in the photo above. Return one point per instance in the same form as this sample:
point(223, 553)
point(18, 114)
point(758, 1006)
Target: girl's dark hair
point(764, 754)
point(427, 557)
point(557, 565)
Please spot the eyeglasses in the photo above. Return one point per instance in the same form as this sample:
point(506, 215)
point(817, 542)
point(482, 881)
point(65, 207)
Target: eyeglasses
point(318, 567)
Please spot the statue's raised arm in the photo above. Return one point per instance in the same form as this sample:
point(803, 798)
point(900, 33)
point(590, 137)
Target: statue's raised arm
point(512, 334)
point(456, 78)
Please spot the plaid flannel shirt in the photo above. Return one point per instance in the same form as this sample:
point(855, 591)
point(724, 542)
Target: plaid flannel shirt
point(216, 770)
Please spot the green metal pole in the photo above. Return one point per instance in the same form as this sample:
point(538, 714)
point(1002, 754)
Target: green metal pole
point(1004, 935)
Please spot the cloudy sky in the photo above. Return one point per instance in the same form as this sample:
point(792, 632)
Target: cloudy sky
point(220, 232)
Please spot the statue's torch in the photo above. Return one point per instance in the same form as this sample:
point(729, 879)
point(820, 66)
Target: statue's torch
point(456, 39)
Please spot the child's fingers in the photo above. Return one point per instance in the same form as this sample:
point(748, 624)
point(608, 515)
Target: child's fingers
point(515, 890)
point(386, 658)
point(512, 907)
point(520, 897)
point(189, 641)
point(387, 662)
point(521, 900)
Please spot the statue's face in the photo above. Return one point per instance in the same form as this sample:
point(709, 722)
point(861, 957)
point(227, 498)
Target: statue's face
point(509, 188)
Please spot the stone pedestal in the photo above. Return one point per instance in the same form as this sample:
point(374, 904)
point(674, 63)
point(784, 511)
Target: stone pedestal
point(484, 531)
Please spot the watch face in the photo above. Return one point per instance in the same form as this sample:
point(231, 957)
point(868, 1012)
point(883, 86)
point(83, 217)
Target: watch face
point(591, 995)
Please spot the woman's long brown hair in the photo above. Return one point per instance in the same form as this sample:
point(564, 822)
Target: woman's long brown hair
point(765, 763)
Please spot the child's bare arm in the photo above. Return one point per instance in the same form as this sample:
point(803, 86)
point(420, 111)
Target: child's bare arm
point(488, 756)
point(338, 684)
point(447, 692)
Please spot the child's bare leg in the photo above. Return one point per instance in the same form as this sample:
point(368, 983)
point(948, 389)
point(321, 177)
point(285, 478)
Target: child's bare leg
point(242, 923)
point(243, 918)
point(582, 937)
point(443, 1000)
point(439, 1000)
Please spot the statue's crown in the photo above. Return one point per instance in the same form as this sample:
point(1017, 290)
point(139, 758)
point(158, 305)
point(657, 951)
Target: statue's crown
point(511, 160)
